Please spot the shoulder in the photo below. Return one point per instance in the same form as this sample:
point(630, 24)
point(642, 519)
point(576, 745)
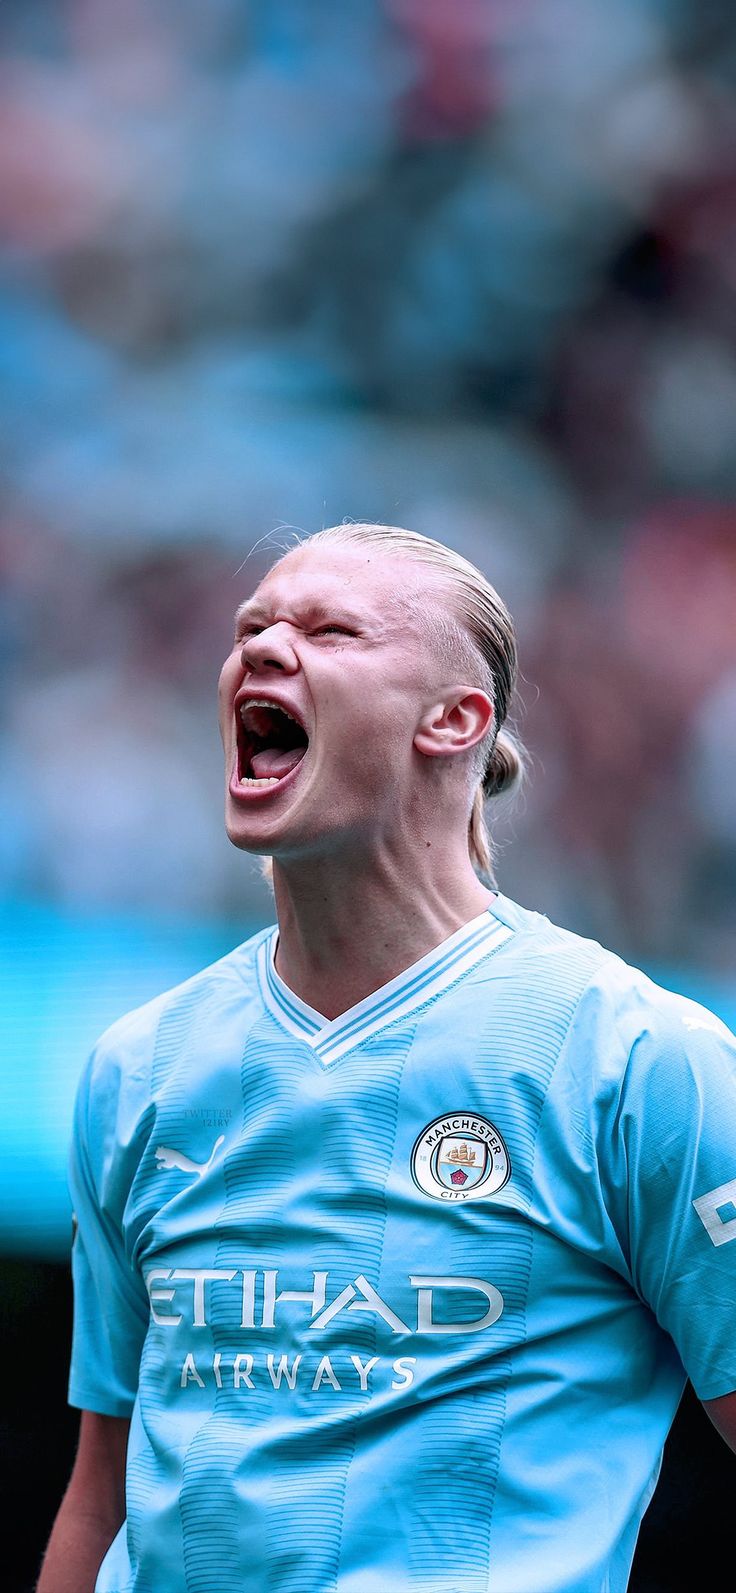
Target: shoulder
point(657, 1029)
point(619, 1015)
point(558, 972)
point(547, 953)
point(128, 1045)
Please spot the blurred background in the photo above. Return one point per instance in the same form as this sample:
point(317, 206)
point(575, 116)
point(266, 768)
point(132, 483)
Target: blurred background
point(467, 266)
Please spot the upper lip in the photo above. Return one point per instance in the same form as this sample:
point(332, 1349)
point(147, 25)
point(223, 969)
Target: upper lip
point(250, 694)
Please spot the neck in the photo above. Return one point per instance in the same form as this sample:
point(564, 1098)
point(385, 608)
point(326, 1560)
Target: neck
point(348, 925)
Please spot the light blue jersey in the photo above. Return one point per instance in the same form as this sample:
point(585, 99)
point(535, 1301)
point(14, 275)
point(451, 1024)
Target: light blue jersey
point(406, 1300)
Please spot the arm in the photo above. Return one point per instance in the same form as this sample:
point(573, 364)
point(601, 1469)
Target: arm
point(92, 1510)
point(722, 1413)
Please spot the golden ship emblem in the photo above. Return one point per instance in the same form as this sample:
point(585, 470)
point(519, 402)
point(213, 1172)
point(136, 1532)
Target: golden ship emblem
point(462, 1154)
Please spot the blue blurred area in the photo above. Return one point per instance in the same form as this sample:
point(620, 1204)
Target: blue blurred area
point(65, 977)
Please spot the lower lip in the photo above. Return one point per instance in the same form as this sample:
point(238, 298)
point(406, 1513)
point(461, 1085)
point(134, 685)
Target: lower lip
point(260, 793)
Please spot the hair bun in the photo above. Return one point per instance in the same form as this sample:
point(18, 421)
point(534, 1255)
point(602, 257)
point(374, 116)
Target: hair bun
point(506, 767)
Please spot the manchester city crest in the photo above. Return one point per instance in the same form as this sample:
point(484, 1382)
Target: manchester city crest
point(460, 1157)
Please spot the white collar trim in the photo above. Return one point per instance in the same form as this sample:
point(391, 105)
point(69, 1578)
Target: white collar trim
point(421, 982)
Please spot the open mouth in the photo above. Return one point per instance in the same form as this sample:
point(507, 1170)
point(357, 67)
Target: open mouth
point(270, 743)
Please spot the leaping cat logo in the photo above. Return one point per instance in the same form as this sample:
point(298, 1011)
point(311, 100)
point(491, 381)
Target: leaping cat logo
point(168, 1159)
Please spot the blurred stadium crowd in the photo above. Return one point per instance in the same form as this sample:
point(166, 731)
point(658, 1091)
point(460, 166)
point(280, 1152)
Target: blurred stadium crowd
point(463, 265)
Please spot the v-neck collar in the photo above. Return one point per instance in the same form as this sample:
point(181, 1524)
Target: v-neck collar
point(330, 1039)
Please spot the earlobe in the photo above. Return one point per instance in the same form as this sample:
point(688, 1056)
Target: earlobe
point(454, 725)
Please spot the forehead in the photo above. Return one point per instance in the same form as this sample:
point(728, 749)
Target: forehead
point(365, 581)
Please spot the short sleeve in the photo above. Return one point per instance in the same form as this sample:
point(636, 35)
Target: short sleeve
point(674, 1155)
point(110, 1305)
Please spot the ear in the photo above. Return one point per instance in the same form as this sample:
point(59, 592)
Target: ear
point(454, 725)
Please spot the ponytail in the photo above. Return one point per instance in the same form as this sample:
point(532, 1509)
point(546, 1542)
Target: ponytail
point(504, 772)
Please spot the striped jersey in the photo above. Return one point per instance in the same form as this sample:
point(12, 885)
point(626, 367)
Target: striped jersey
point(404, 1300)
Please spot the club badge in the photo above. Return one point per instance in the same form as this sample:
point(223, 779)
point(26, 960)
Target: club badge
point(460, 1157)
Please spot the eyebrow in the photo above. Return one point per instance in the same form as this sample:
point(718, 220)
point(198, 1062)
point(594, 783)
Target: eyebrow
point(244, 610)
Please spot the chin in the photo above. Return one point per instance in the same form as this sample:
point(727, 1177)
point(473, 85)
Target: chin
point(242, 837)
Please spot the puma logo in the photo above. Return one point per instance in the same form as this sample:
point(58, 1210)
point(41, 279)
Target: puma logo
point(702, 1021)
point(168, 1159)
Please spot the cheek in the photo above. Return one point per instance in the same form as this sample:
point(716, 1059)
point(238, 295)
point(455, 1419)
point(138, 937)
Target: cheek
point(226, 687)
point(374, 750)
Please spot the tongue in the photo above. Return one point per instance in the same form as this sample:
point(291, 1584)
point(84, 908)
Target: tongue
point(275, 762)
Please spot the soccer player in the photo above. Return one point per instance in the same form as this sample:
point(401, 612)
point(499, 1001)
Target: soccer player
point(401, 1227)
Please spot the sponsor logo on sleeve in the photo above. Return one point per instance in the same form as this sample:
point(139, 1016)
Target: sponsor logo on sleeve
point(717, 1212)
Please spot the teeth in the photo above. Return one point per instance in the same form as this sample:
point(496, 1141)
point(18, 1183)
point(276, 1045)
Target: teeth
point(263, 702)
point(247, 779)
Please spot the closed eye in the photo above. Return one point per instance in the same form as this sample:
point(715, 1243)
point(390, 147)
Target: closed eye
point(244, 632)
point(333, 630)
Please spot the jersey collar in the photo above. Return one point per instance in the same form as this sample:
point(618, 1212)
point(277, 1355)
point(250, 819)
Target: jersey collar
point(418, 984)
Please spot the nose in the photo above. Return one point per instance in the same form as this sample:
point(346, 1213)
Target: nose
point(270, 648)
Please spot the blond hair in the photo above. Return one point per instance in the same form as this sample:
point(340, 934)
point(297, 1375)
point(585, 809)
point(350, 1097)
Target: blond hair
point(478, 635)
